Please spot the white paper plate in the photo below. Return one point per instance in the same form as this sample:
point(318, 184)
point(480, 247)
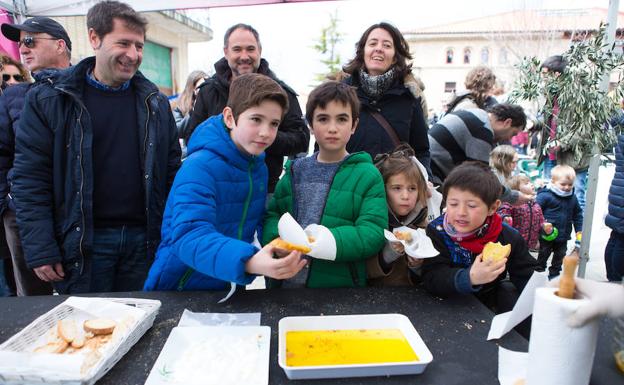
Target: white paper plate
point(347, 322)
point(206, 355)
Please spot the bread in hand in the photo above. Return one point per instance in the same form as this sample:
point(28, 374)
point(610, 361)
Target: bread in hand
point(404, 236)
point(495, 252)
point(284, 245)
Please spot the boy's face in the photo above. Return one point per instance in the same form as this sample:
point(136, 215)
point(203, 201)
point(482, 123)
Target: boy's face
point(564, 183)
point(465, 211)
point(256, 127)
point(402, 194)
point(332, 128)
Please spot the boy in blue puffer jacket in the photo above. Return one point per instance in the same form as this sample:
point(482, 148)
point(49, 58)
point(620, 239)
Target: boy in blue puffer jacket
point(217, 200)
point(562, 209)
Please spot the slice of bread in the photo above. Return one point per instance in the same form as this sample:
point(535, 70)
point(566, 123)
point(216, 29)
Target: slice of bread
point(404, 236)
point(67, 330)
point(53, 347)
point(495, 252)
point(99, 326)
point(282, 244)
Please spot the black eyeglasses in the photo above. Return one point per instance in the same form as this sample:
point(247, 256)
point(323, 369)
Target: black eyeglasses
point(18, 78)
point(29, 41)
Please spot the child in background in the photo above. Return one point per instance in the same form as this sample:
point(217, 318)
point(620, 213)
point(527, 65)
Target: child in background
point(526, 218)
point(406, 191)
point(472, 192)
point(341, 191)
point(217, 199)
point(562, 209)
point(503, 161)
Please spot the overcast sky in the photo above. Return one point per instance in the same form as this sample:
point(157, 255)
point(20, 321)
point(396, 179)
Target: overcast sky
point(288, 31)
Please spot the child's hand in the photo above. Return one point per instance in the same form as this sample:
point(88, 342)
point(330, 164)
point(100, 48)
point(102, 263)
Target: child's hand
point(397, 247)
point(548, 227)
point(485, 272)
point(414, 262)
point(263, 263)
point(508, 220)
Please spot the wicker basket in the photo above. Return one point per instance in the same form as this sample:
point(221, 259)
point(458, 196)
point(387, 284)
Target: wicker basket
point(24, 340)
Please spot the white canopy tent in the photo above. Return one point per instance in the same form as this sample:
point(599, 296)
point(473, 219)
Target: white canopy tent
point(27, 8)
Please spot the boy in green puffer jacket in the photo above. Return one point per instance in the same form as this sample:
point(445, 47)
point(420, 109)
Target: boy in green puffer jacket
point(341, 191)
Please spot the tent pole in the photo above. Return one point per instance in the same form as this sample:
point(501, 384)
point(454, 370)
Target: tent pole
point(594, 165)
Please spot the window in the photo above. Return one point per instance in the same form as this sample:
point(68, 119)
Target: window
point(502, 56)
point(485, 55)
point(449, 56)
point(467, 53)
point(450, 86)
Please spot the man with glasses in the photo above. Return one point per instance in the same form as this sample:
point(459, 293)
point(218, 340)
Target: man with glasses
point(45, 48)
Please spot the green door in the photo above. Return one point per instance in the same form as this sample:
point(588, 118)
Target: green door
point(156, 66)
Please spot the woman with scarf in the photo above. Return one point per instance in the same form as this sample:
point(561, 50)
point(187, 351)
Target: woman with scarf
point(472, 192)
point(391, 111)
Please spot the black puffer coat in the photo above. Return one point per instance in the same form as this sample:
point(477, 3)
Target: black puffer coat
point(53, 167)
point(403, 112)
point(293, 136)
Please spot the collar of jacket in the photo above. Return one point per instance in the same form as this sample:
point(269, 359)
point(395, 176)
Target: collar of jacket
point(224, 73)
point(356, 157)
point(416, 216)
point(212, 135)
point(398, 87)
point(73, 79)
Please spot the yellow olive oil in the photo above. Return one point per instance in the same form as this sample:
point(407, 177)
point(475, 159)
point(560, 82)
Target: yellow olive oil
point(347, 347)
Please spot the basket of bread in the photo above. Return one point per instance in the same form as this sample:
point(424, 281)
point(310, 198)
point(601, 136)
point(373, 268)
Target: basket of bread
point(76, 342)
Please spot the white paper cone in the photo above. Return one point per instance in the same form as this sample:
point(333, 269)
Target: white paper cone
point(324, 245)
point(420, 247)
point(559, 354)
point(291, 231)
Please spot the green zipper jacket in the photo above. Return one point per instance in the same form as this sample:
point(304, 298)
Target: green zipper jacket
point(355, 212)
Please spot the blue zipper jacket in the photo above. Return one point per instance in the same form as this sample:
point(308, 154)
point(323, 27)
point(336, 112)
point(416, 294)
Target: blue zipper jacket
point(53, 167)
point(562, 212)
point(214, 207)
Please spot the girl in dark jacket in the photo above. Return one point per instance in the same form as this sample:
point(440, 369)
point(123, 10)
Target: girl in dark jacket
point(390, 113)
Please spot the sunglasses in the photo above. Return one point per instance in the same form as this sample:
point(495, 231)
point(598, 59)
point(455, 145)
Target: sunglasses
point(29, 41)
point(17, 78)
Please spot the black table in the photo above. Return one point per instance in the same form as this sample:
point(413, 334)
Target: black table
point(455, 330)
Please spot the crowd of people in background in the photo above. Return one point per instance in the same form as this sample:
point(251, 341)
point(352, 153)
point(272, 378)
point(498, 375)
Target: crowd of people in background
point(95, 197)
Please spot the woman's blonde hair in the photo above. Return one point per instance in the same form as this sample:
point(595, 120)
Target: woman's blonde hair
point(501, 159)
point(186, 99)
point(400, 161)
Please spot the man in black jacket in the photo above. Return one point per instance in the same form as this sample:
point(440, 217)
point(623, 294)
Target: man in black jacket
point(45, 48)
point(96, 152)
point(242, 50)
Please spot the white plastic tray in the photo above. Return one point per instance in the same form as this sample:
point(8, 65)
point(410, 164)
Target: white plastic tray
point(227, 355)
point(346, 322)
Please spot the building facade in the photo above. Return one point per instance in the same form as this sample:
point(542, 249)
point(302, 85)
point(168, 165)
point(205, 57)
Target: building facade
point(443, 55)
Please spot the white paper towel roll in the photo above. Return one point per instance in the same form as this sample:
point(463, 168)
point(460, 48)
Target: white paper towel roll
point(559, 354)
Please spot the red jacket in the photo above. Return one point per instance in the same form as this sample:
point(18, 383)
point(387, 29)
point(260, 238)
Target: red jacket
point(527, 219)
